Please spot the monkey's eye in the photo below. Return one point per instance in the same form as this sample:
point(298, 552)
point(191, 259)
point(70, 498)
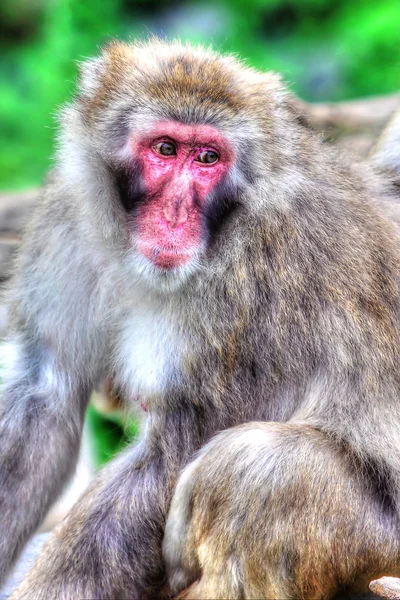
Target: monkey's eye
point(208, 157)
point(165, 148)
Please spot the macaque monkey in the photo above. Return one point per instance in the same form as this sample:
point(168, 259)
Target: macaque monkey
point(200, 245)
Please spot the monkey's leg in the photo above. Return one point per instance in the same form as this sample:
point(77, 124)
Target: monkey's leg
point(41, 416)
point(272, 510)
point(109, 546)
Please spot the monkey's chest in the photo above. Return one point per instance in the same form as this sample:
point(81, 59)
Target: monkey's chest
point(149, 355)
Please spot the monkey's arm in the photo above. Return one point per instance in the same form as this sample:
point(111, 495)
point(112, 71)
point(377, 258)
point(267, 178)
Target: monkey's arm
point(48, 370)
point(40, 431)
point(110, 544)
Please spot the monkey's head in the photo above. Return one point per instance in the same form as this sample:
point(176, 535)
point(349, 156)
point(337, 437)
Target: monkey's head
point(169, 144)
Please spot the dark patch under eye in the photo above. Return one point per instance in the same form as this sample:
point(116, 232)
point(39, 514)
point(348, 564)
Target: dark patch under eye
point(130, 186)
point(221, 205)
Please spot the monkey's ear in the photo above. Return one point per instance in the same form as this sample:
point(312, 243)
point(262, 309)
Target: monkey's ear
point(276, 89)
point(91, 74)
point(106, 72)
point(386, 153)
point(299, 111)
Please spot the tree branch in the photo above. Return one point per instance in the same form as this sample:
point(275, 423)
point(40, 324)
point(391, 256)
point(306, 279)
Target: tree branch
point(386, 587)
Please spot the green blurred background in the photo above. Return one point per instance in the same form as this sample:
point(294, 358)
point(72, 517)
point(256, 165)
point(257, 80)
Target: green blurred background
point(326, 50)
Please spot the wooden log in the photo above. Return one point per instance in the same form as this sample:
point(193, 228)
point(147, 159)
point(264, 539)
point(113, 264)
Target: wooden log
point(15, 208)
point(386, 587)
point(367, 115)
point(352, 126)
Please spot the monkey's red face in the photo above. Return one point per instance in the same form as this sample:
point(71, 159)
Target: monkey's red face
point(180, 166)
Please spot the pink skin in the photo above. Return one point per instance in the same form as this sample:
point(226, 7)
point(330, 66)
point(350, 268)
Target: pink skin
point(169, 225)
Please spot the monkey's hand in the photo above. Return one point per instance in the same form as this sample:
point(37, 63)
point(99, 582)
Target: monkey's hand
point(256, 515)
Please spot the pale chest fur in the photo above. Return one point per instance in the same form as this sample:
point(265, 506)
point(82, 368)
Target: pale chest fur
point(150, 350)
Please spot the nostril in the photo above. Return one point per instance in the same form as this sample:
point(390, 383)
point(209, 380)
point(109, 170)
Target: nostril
point(175, 212)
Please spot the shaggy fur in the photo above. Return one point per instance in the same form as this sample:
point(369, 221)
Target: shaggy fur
point(288, 321)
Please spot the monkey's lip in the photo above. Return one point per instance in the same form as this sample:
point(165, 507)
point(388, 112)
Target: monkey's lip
point(166, 258)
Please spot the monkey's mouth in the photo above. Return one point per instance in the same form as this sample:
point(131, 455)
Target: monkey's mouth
point(165, 258)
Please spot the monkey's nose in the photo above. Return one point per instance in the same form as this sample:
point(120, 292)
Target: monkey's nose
point(175, 212)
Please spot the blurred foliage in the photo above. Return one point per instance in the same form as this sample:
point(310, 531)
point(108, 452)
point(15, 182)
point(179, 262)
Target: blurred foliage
point(112, 433)
point(326, 50)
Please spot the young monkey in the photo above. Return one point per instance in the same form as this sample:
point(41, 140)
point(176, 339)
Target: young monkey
point(202, 246)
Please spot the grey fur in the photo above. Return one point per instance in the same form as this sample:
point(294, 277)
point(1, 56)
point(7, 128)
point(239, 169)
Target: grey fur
point(289, 314)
